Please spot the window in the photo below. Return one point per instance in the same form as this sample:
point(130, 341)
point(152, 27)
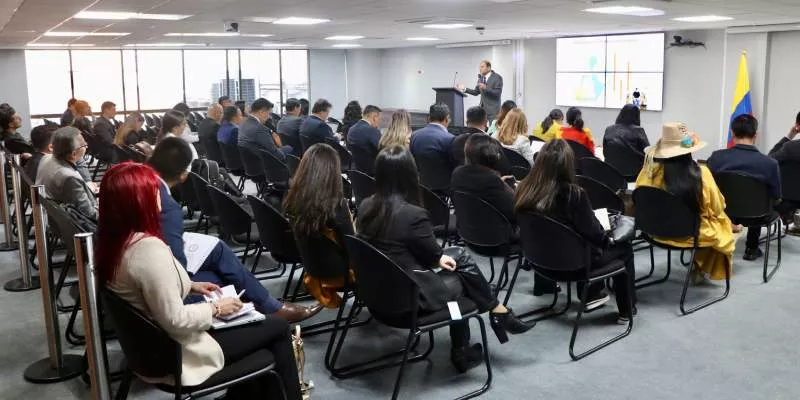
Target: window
point(97, 76)
point(205, 73)
point(294, 71)
point(49, 82)
point(230, 87)
point(261, 76)
point(160, 78)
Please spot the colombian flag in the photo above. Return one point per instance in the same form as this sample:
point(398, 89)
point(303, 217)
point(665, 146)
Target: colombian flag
point(741, 96)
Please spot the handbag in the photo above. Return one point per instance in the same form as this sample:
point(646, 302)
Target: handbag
point(300, 359)
point(624, 228)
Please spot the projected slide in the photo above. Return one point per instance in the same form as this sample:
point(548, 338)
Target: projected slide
point(611, 71)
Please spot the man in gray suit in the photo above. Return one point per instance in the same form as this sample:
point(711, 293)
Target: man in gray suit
point(253, 133)
point(489, 87)
point(59, 174)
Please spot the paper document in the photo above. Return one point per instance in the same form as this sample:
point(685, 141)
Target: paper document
point(197, 247)
point(245, 315)
point(602, 215)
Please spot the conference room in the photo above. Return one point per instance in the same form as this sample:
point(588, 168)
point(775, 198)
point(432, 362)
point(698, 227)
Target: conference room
point(360, 199)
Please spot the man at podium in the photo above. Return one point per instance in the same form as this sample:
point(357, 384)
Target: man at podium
point(489, 87)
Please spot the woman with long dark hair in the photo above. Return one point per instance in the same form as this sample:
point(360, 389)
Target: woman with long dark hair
point(550, 127)
point(551, 189)
point(174, 124)
point(134, 262)
point(669, 166)
point(352, 114)
point(507, 106)
point(575, 129)
point(316, 208)
point(627, 131)
point(394, 221)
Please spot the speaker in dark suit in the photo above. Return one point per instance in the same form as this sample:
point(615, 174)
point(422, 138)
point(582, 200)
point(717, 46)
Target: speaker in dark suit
point(489, 87)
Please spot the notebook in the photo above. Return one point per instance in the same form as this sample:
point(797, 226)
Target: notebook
point(197, 247)
point(602, 215)
point(246, 315)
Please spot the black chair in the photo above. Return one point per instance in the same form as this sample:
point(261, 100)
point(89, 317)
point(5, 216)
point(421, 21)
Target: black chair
point(134, 154)
point(233, 161)
point(235, 222)
point(363, 159)
point(625, 160)
point(213, 150)
point(487, 232)
point(253, 167)
point(308, 141)
point(748, 202)
point(434, 172)
point(363, 185)
point(600, 195)
point(345, 158)
point(580, 151)
point(120, 155)
point(572, 263)
point(444, 223)
point(596, 169)
point(208, 213)
point(276, 236)
point(663, 215)
point(294, 141)
point(292, 163)
point(392, 298)
point(151, 352)
point(277, 172)
point(790, 198)
point(520, 167)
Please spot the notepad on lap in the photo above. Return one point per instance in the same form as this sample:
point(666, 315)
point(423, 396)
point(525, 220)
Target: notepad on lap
point(602, 215)
point(246, 315)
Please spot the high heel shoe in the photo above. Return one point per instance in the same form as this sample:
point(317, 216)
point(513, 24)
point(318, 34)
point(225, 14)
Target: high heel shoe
point(504, 323)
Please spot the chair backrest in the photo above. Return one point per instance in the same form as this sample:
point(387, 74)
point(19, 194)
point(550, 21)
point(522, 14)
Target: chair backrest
point(134, 154)
point(188, 194)
point(233, 218)
point(579, 150)
point(600, 195)
point(149, 351)
point(65, 227)
point(434, 172)
point(252, 162)
point(596, 169)
point(479, 223)
point(345, 158)
point(322, 257)
point(516, 159)
point(308, 141)
point(120, 155)
point(363, 159)
point(203, 198)
point(437, 208)
point(551, 245)
point(382, 285)
point(277, 171)
point(627, 161)
point(213, 150)
point(363, 185)
point(790, 181)
point(662, 214)
point(232, 157)
point(745, 196)
point(274, 229)
point(294, 141)
point(292, 163)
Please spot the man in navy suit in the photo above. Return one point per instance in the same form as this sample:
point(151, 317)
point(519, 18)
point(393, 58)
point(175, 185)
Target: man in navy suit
point(315, 126)
point(254, 134)
point(365, 134)
point(170, 159)
point(434, 140)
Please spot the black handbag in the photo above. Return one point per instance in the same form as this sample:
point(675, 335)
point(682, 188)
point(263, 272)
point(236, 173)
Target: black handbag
point(624, 228)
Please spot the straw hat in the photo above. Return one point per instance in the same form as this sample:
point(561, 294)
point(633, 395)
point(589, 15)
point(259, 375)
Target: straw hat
point(676, 140)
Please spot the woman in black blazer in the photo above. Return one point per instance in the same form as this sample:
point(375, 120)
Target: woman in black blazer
point(394, 221)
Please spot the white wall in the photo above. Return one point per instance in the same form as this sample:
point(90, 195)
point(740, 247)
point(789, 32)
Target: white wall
point(364, 76)
point(327, 78)
point(783, 90)
point(14, 85)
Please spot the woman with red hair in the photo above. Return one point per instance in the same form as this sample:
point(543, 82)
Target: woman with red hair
point(134, 262)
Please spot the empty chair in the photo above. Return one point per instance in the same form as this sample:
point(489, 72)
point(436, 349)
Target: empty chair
point(235, 222)
point(580, 151)
point(363, 185)
point(625, 160)
point(444, 223)
point(519, 165)
point(434, 172)
point(596, 169)
point(208, 213)
point(345, 158)
point(277, 171)
point(292, 163)
point(600, 195)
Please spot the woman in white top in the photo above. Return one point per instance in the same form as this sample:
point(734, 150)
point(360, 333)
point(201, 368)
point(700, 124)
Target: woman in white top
point(513, 134)
point(135, 263)
point(173, 124)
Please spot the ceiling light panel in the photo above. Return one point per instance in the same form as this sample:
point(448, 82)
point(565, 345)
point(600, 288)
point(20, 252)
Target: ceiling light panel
point(633, 11)
point(81, 34)
point(123, 15)
point(703, 18)
point(344, 37)
point(300, 21)
point(346, 45)
point(449, 25)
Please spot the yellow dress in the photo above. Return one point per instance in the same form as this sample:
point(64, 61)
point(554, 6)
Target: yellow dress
point(716, 230)
point(554, 132)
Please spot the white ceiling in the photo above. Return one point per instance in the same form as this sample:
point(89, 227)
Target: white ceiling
point(383, 22)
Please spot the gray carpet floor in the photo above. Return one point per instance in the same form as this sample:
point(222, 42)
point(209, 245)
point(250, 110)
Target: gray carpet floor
point(741, 348)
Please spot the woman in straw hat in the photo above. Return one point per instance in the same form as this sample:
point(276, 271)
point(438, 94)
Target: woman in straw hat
point(669, 166)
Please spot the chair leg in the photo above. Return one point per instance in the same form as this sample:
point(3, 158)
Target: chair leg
point(709, 302)
point(486, 361)
point(768, 275)
point(662, 280)
point(411, 336)
point(124, 386)
point(511, 284)
point(576, 326)
point(289, 282)
point(491, 266)
point(652, 266)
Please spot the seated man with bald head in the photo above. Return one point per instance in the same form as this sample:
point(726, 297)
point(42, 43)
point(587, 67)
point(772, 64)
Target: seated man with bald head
point(207, 132)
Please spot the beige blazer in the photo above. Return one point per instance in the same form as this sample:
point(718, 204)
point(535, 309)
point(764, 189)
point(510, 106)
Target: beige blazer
point(151, 280)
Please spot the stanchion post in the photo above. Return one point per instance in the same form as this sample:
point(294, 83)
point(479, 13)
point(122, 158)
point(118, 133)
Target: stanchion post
point(95, 354)
point(57, 367)
point(9, 244)
point(26, 281)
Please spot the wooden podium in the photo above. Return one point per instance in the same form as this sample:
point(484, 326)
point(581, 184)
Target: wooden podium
point(454, 99)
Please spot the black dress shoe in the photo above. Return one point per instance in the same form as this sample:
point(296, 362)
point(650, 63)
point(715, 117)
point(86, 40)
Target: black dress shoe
point(505, 323)
point(467, 357)
point(752, 254)
point(543, 289)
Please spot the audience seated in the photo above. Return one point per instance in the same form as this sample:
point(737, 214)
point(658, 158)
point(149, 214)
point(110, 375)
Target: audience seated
point(228, 132)
point(253, 133)
point(480, 176)
point(669, 166)
point(130, 132)
point(289, 125)
point(399, 131)
point(394, 221)
point(184, 109)
point(787, 149)
point(316, 207)
point(434, 140)
point(513, 134)
point(476, 123)
point(82, 111)
point(225, 101)
point(171, 160)
point(134, 263)
point(42, 140)
point(627, 132)
point(364, 133)
point(316, 125)
point(352, 115)
point(69, 113)
point(575, 131)
point(104, 127)
point(208, 128)
point(550, 127)
point(13, 141)
point(304, 107)
point(744, 158)
point(173, 124)
point(551, 189)
point(507, 106)
point(59, 174)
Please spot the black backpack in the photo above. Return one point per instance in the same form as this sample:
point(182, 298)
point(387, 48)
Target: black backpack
point(216, 176)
